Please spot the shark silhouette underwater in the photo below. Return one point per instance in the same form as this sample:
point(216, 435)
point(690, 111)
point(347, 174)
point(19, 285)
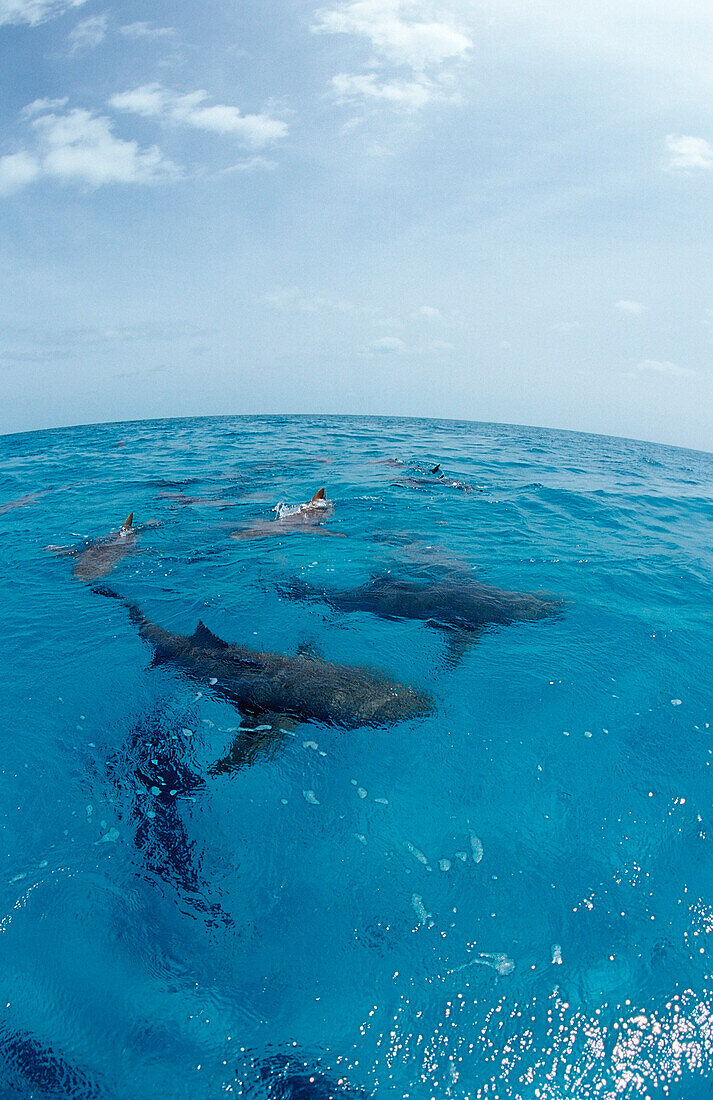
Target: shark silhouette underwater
point(455, 603)
point(98, 557)
point(306, 518)
point(156, 769)
point(284, 1077)
point(30, 1067)
point(274, 691)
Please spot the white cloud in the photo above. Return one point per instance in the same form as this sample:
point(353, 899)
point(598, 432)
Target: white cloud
point(431, 313)
point(633, 308)
point(388, 344)
point(16, 171)
point(658, 366)
point(34, 12)
point(88, 34)
point(686, 153)
point(441, 345)
point(145, 30)
point(566, 327)
point(154, 101)
point(406, 36)
point(400, 31)
point(81, 147)
point(409, 94)
point(252, 164)
point(42, 106)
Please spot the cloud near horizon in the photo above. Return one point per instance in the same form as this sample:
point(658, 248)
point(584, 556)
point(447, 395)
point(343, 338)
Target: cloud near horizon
point(663, 366)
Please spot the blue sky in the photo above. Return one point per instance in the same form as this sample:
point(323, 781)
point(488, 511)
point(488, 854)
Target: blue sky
point(487, 210)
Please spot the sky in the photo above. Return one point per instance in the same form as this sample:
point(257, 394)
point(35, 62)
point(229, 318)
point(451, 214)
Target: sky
point(492, 210)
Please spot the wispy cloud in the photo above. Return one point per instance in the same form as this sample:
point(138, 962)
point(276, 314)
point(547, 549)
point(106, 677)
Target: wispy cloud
point(146, 30)
point(191, 109)
point(293, 298)
point(632, 308)
point(88, 34)
point(388, 344)
point(689, 153)
point(412, 50)
point(399, 31)
point(409, 94)
point(431, 313)
point(79, 146)
point(34, 12)
point(663, 366)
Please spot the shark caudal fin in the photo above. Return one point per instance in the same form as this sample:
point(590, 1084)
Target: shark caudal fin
point(137, 617)
point(319, 495)
point(128, 522)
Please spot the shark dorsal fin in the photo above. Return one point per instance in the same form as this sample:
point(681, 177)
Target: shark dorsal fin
point(204, 637)
point(319, 495)
point(126, 525)
point(436, 469)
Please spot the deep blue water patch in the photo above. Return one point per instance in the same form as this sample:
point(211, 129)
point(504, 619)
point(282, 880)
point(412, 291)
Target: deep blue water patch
point(506, 893)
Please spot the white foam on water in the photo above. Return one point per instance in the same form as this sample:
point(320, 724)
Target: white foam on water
point(417, 854)
point(476, 848)
point(311, 798)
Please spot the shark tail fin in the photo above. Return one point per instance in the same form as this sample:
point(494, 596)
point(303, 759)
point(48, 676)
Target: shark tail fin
point(436, 469)
point(319, 495)
point(137, 617)
point(128, 522)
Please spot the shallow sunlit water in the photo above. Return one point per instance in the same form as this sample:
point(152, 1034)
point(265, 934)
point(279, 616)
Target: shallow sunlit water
point(511, 896)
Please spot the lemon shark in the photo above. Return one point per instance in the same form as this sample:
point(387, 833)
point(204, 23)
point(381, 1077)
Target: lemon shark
point(96, 558)
point(455, 602)
point(274, 691)
point(306, 518)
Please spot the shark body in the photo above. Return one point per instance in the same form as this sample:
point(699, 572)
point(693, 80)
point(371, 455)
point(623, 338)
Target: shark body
point(279, 688)
point(457, 603)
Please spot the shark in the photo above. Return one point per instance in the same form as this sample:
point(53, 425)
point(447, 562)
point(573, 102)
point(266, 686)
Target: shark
point(32, 1068)
point(23, 501)
point(455, 602)
point(207, 502)
point(306, 518)
point(275, 691)
point(97, 558)
point(286, 1078)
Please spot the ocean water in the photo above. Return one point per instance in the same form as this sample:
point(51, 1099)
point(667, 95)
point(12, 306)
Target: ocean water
point(508, 896)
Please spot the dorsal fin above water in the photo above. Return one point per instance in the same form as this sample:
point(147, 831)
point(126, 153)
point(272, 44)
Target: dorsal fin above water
point(128, 522)
point(204, 637)
point(319, 495)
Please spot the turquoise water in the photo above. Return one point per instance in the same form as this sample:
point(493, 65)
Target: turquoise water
point(508, 896)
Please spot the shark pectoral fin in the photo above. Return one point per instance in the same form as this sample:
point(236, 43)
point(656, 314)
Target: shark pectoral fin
point(259, 734)
point(319, 495)
point(309, 649)
point(62, 551)
point(458, 643)
point(204, 637)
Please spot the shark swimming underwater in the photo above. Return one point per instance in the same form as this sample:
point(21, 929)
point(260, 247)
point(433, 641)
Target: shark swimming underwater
point(23, 501)
point(278, 687)
point(306, 518)
point(97, 558)
point(454, 602)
